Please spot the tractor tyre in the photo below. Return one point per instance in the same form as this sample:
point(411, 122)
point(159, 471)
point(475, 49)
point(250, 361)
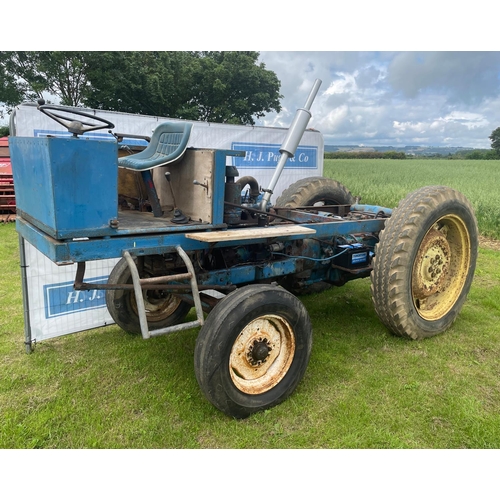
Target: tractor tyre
point(253, 349)
point(162, 308)
point(424, 262)
point(313, 191)
point(310, 192)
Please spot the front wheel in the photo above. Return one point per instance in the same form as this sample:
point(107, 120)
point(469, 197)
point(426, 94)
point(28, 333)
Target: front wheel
point(424, 262)
point(253, 349)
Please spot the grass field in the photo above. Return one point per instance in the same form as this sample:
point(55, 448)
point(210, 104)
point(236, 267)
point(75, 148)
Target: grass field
point(364, 388)
point(386, 182)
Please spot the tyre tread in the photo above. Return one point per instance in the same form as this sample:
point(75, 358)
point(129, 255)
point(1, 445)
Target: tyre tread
point(301, 192)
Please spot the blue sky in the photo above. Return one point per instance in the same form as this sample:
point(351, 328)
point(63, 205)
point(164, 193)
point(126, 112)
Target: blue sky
point(397, 98)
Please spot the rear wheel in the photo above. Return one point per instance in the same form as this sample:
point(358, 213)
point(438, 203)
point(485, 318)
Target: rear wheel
point(162, 308)
point(253, 349)
point(312, 192)
point(315, 191)
point(424, 262)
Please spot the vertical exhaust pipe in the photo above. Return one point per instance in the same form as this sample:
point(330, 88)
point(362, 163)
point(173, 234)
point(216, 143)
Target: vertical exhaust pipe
point(292, 139)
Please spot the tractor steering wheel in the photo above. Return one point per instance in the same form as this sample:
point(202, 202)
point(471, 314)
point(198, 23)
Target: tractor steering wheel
point(73, 125)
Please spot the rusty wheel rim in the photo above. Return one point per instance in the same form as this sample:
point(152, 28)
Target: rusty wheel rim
point(440, 268)
point(159, 305)
point(262, 354)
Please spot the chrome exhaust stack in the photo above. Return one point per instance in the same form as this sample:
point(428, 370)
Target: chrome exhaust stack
point(292, 139)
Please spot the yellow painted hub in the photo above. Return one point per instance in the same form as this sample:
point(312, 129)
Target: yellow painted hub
point(440, 268)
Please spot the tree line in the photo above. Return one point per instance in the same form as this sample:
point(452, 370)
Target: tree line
point(345, 155)
point(477, 154)
point(224, 87)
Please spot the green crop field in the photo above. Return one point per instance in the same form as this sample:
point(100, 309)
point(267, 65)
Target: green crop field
point(364, 388)
point(386, 182)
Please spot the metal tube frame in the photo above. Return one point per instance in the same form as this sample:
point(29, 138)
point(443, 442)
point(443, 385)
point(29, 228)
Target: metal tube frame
point(141, 310)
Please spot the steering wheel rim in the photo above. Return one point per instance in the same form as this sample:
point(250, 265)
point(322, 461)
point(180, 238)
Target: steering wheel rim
point(76, 127)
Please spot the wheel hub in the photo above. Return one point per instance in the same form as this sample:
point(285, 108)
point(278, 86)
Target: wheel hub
point(158, 304)
point(440, 268)
point(431, 265)
point(259, 351)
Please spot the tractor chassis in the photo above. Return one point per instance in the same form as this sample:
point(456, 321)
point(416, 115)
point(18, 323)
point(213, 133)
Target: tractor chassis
point(311, 244)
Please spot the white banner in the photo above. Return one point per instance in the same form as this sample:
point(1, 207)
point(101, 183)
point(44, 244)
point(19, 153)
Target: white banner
point(55, 308)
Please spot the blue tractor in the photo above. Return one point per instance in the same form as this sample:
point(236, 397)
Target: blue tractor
point(215, 242)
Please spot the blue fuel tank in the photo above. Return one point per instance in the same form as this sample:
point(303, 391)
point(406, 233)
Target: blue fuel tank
point(67, 187)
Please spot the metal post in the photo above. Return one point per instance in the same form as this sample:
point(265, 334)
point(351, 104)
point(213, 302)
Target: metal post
point(26, 307)
point(147, 177)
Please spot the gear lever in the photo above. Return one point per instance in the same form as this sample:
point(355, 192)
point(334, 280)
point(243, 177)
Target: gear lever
point(179, 217)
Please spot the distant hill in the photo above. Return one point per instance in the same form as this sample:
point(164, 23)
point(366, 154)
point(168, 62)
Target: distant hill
point(408, 150)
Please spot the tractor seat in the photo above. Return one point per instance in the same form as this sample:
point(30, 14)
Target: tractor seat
point(168, 143)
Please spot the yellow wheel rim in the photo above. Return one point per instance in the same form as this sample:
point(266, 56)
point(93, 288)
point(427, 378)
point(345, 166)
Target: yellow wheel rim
point(440, 268)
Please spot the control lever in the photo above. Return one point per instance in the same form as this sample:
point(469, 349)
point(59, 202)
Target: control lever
point(179, 217)
point(197, 183)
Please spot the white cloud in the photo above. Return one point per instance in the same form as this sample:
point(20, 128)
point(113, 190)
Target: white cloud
point(467, 119)
point(334, 118)
point(345, 84)
point(444, 98)
point(417, 127)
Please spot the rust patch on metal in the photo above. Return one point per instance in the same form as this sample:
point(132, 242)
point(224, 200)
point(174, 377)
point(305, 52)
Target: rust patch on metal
point(431, 266)
point(262, 354)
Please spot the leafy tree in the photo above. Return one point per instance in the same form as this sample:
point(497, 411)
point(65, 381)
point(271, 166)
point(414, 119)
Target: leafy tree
point(18, 78)
point(226, 87)
point(474, 155)
point(230, 87)
point(492, 154)
point(495, 140)
point(214, 86)
point(4, 131)
point(25, 76)
point(480, 154)
point(66, 74)
point(153, 83)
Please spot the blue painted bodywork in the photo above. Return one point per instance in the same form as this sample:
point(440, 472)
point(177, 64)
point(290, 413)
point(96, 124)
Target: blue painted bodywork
point(82, 250)
point(67, 199)
point(68, 187)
